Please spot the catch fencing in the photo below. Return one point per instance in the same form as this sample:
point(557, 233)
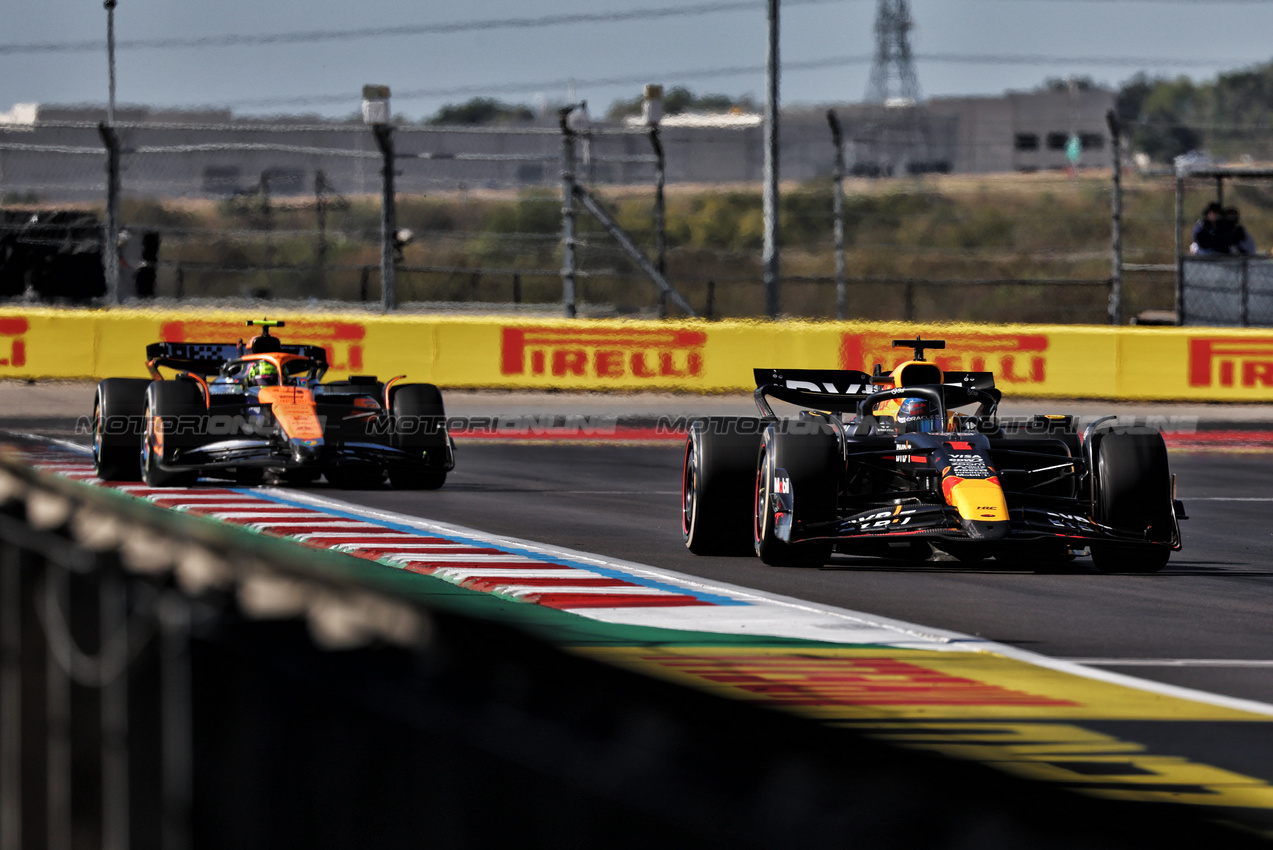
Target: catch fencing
point(296, 213)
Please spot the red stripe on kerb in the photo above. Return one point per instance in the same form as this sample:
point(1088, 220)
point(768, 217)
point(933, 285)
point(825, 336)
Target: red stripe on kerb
point(422, 555)
point(618, 600)
point(282, 530)
point(374, 552)
point(428, 569)
point(169, 494)
point(251, 508)
point(1211, 438)
point(385, 543)
point(495, 582)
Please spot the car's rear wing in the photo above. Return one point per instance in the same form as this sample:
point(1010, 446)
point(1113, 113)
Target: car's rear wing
point(207, 358)
point(840, 390)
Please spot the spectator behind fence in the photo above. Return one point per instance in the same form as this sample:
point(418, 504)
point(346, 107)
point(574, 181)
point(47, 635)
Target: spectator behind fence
point(1220, 231)
point(1208, 234)
point(1240, 241)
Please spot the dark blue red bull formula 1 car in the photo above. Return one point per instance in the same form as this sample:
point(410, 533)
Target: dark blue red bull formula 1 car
point(888, 465)
point(261, 411)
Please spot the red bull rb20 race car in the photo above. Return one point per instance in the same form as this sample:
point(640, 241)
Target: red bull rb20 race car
point(261, 410)
point(917, 462)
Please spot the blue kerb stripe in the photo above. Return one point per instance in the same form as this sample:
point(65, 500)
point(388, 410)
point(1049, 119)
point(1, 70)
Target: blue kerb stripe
point(653, 584)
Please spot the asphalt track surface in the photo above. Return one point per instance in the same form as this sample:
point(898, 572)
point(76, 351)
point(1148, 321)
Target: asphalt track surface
point(1205, 622)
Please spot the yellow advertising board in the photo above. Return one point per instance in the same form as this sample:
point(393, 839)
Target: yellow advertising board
point(1059, 361)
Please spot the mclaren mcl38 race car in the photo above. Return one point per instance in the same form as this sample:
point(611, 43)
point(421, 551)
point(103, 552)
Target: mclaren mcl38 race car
point(886, 464)
point(260, 411)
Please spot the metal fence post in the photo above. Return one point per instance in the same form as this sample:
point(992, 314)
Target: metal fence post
point(837, 210)
point(110, 233)
point(388, 219)
point(1246, 291)
point(770, 199)
point(320, 212)
point(1180, 257)
point(660, 217)
point(1116, 213)
point(567, 214)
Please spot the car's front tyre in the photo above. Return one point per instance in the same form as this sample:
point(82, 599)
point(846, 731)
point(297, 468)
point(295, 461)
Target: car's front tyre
point(419, 420)
point(1133, 491)
point(810, 455)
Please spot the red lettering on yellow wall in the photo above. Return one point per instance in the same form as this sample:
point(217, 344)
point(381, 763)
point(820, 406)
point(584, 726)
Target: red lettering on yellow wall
point(1220, 361)
point(603, 353)
point(12, 330)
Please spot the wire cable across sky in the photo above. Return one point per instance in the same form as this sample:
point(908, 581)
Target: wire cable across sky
point(315, 36)
point(678, 77)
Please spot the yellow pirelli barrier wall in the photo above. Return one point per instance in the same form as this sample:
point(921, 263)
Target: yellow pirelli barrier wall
point(1149, 363)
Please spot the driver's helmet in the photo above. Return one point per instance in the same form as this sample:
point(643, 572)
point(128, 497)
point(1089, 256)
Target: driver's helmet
point(918, 415)
point(263, 373)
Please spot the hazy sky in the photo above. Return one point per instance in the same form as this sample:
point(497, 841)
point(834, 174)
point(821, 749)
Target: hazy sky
point(519, 61)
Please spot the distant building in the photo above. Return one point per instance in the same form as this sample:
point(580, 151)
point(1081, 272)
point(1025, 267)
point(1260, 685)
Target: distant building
point(210, 153)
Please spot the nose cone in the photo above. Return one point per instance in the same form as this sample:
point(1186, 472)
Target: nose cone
point(304, 451)
point(985, 529)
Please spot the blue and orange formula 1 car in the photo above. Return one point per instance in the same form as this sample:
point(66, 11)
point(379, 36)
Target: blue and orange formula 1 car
point(257, 411)
point(885, 465)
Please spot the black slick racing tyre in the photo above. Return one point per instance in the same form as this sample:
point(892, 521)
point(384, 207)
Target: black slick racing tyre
point(1133, 494)
point(716, 485)
point(419, 420)
point(810, 454)
point(173, 412)
point(119, 408)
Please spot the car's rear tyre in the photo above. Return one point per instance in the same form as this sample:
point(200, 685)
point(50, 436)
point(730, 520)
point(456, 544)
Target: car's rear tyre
point(119, 407)
point(419, 420)
point(810, 454)
point(1133, 495)
point(173, 412)
point(716, 485)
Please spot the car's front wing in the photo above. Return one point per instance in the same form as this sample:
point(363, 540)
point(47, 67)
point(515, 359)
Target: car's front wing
point(267, 453)
point(1026, 524)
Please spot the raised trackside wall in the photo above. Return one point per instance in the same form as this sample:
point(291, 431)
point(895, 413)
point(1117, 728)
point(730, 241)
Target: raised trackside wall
point(1200, 364)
